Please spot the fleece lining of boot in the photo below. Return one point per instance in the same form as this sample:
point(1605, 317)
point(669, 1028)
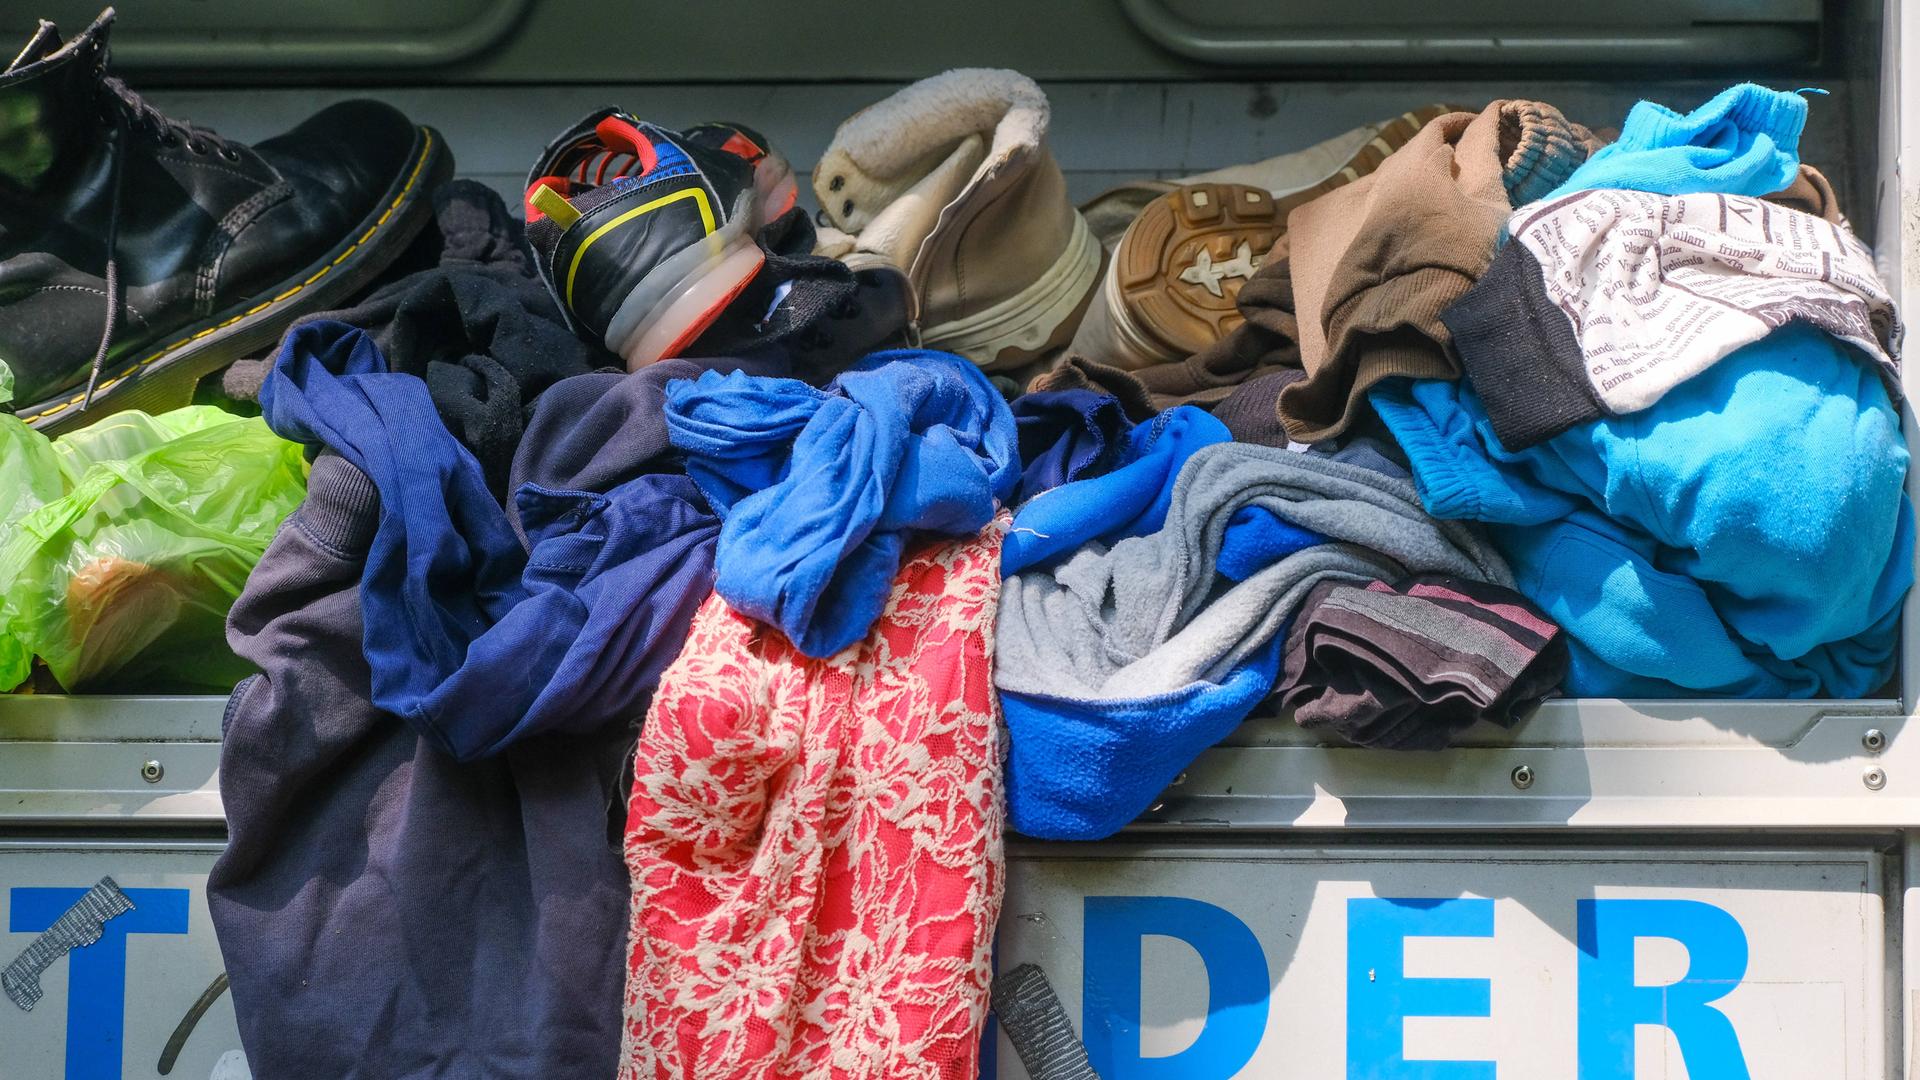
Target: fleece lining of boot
point(899, 229)
point(886, 149)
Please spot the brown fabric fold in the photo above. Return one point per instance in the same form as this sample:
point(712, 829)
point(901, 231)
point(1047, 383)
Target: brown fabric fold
point(1250, 413)
point(1352, 292)
point(1810, 193)
point(1374, 263)
point(1080, 373)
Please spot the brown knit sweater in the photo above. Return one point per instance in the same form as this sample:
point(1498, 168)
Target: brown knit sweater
point(1374, 263)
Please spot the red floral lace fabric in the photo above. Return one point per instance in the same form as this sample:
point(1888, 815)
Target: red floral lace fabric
point(816, 844)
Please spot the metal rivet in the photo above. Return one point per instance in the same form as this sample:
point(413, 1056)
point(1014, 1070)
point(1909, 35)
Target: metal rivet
point(1156, 808)
point(151, 772)
point(1178, 780)
point(1875, 778)
point(1874, 740)
point(1523, 776)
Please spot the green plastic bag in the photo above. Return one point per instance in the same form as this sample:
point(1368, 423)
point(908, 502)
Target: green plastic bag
point(29, 470)
point(127, 541)
point(29, 480)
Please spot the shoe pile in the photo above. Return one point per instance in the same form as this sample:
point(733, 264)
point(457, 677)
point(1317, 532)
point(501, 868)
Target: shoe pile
point(833, 550)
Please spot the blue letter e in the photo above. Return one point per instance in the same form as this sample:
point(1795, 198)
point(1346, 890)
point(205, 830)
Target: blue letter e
point(1611, 1004)
point(1110, 999)
point(1380, 996)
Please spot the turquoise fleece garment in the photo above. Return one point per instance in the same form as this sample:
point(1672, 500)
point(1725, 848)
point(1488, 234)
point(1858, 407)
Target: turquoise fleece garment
point(1746, 141)
point(1748, 536)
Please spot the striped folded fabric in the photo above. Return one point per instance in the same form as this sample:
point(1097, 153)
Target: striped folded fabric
point(1408, 666)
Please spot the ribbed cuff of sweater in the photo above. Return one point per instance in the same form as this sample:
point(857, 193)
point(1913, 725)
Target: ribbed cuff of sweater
point(1454, 476)
point(1521, 354)
point(1750, 107)
point(1546, 150)
point(342, 508)
point(1379, 333)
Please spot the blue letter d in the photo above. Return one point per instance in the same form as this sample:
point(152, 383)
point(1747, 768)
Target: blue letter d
point(1237, 987)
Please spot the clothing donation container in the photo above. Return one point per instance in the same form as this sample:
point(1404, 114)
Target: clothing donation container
point(1610, 890)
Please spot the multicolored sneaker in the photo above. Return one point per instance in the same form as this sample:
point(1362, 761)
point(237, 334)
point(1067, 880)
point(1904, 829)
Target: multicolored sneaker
point(644, 235)
point(772, 174)
point(809, 317)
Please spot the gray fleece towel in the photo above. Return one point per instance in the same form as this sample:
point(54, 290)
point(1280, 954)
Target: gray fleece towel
point(1148, 616)
point(1119, 665)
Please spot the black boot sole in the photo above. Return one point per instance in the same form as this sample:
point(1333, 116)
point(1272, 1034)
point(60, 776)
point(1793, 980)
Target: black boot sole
point(164, 378)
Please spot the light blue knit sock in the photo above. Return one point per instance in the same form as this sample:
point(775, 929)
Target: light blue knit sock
point(1746, 141)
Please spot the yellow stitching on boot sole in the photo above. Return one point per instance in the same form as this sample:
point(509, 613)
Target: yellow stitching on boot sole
point(425, 150)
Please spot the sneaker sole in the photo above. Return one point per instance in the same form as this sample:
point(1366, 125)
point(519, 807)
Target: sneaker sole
point(1390, 136)
point(776, 188)
point(681, 296)
point(1313, 170)
point(1155, 330)
point(165, 378)
point(1024, 326)
point(692, 306)
point(1175, 281)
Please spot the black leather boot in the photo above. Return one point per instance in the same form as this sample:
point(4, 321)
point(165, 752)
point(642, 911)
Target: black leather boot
point(139, 253)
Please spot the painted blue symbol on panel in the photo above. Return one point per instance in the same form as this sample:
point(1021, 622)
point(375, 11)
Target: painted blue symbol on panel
point(1380, 994)
point(97, 973)
point(1612, 1004)
point(1237, 987)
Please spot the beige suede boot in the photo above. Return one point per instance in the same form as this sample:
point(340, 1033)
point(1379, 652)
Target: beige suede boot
point(952, 181)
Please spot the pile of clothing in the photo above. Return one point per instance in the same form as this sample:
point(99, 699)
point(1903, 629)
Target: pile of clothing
point(686, 600)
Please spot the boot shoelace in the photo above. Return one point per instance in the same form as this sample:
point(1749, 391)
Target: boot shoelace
point(129, 113)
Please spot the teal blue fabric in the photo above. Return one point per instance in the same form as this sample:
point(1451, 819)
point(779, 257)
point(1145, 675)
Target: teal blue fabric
point(1746, 141)
point(1749, 536)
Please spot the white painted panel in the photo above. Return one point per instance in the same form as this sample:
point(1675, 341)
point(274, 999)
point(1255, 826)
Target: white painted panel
point(170, 958)
point(1808, 1000)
